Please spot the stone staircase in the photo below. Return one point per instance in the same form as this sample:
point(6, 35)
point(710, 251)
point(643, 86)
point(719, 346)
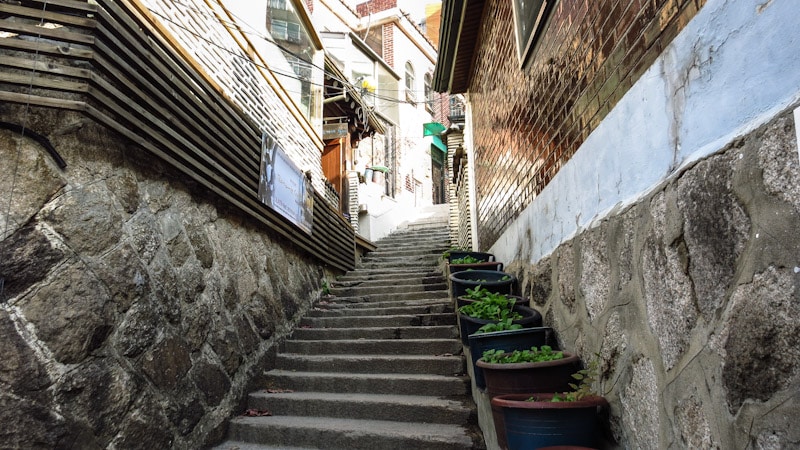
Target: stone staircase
point(376, 366)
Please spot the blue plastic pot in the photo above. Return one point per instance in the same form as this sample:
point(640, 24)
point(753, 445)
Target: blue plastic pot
point(542, 423)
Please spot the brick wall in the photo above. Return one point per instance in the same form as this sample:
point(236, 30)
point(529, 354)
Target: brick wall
point(374, 6)
point(388, 44)
point(527, 124)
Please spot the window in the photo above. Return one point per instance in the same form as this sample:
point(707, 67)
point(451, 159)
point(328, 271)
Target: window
point(295, 60)
point(410, 82)
point(530, 23)
point(429, 97)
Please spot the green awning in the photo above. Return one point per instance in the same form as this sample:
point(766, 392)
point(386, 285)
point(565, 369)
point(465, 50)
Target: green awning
point(432, 128)
point(437, 142)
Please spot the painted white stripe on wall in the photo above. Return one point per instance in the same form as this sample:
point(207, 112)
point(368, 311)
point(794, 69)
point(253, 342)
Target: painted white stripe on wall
point(797, 129)
point(732, 69)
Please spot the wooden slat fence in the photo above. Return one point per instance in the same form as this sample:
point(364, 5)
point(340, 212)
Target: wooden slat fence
point(108, 62)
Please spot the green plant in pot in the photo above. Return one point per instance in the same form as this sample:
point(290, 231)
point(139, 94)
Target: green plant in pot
point(494, 308)
point(524, 372)
point(480, 293)
point(569, 418)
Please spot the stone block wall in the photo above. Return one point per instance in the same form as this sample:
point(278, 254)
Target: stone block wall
point(690, 298)
point(137, 309)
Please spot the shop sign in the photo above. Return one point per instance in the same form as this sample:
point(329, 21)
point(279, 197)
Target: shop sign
point(284, 187)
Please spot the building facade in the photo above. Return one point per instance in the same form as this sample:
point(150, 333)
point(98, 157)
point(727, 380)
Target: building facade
point(636, 165)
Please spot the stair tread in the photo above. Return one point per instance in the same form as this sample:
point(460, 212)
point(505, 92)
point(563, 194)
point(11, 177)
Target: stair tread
point(414, 400)
point(352, 375)
point(378, 427)
point(371, 356)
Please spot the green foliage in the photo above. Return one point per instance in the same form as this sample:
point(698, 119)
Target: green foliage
point(495, 307)
point(465, 260)
point(326, 288)
point(585, 378)
point(446, 253)
point(480, 293)
point(533, 355)
point(502, 325)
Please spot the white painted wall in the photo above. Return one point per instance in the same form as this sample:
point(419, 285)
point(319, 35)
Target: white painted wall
point(733, 68)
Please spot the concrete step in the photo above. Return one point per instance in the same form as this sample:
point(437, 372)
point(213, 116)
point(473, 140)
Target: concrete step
point(387, 289)
point(434, 278)
point(398, 320)
point(408, 332)
point(375, 346)
point(361, 309)
point(401, 260)
point(366, 364)
point(405, 275)
point(369, 383)
point(417, 265)
point(384, 310)
point(429, 251)
point(391, 297)
point(404, 408)
point(348, 434)
point(238, 445)
point(332, 304)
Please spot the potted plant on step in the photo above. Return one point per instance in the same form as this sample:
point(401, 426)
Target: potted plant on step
point(481, 293)
point(470, 262)
point(571, 418)
point(495, 308)
point(528, 371)
point(493, 280)
point(504, 336)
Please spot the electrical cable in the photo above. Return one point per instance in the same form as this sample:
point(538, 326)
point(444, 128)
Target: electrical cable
point(19, 147)
point(238, 27)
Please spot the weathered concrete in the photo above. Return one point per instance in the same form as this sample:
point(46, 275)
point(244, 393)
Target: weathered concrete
point(691, 299)
point(137, 309)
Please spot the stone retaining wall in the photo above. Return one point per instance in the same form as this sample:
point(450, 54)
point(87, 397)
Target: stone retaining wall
point(138, 310)
point(691, 299)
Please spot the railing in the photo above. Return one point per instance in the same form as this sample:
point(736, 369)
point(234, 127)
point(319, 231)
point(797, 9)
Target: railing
point(108, 62)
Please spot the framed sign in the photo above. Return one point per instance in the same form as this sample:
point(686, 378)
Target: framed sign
point(530, 22)
point(282, 186)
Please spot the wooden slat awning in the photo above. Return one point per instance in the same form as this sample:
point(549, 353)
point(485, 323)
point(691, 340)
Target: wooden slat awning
point(108, 61)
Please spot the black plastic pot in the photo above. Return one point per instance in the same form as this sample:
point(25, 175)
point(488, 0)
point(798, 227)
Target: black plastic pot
point(495, 281)
point(480, 256)
point(469, 325)
point(508, 341)
point(485, 265)
point(515, 299)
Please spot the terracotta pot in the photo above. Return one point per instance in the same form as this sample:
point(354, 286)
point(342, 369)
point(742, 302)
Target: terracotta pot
point(508, 341)
point(516, 378)
point(542, 423)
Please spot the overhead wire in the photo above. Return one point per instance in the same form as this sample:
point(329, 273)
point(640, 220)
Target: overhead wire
point(19, 146)
point(239, 27)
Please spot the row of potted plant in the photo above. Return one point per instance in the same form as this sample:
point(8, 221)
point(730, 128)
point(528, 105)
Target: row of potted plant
point(539, 396)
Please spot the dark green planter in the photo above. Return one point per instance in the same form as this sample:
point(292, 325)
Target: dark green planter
point(480, 256)
point(486, 265)
point(490, 279)
point(469, 325)
point(543, 423)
